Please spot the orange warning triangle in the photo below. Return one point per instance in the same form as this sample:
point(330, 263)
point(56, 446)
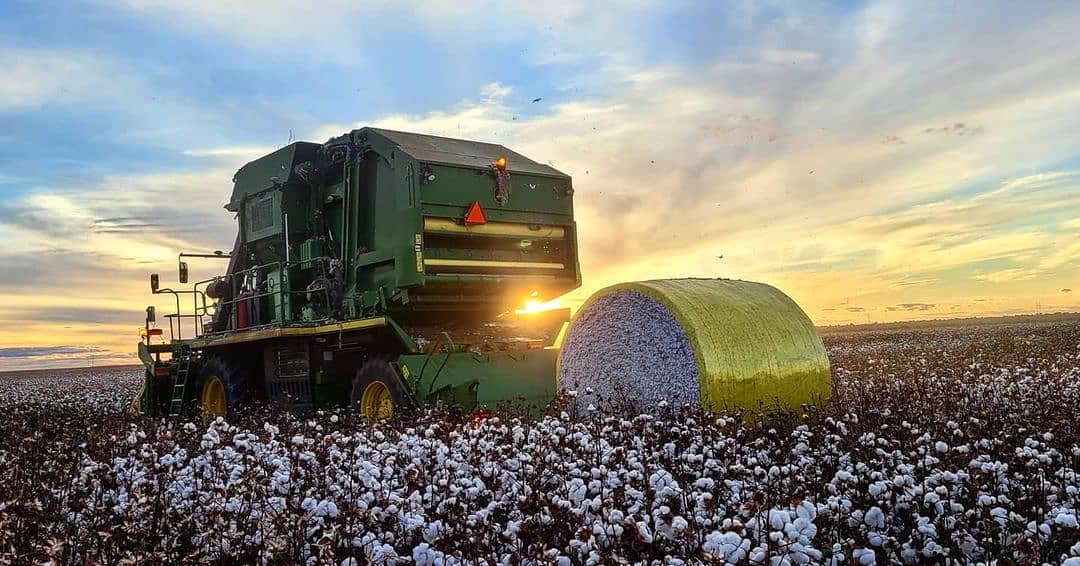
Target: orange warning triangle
point(475, 215)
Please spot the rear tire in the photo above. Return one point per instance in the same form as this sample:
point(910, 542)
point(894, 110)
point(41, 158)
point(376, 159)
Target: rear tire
point(223, 384)
point(379, 392)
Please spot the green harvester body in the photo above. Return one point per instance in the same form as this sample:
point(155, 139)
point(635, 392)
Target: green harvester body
point(411, 250)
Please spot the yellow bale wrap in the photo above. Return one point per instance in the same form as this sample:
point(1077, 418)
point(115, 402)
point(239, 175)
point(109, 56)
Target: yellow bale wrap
point(753, 345)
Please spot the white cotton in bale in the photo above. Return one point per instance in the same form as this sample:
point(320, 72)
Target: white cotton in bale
point(718, 344)
point(627, 350)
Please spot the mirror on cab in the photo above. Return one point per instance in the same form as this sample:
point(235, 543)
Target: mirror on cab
point(154, 284)
point(183, 272)
point(151, 313)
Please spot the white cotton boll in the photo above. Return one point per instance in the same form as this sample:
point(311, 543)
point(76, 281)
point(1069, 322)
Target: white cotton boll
point(713, 542)
point(576, 490)
point(941, 447)
point(423, 555)
point(999, 515)
point(806, 510)
point(805, 529)
point(855, 518)
point(777, 519)
point(326, 509)
point(864, 556)
point(1066, 520)
point(875, 518)
point(644, 533)
point(926, 527)
point(679, 524)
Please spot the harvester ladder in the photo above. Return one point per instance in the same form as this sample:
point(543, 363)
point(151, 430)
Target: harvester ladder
point(183, 376)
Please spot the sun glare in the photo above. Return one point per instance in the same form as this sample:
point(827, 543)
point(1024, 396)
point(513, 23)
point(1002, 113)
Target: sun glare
point(533, 306)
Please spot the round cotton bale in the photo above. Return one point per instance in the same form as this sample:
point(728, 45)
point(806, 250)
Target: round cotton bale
point(712, 343)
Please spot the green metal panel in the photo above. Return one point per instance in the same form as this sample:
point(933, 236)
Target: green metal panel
point(280, 302)
point(262, 173)
point(533, 198)
point(517, 380)
point(310, 251)
point(752, 343)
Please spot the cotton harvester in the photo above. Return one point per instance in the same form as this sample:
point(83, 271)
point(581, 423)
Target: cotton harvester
point(384, 270)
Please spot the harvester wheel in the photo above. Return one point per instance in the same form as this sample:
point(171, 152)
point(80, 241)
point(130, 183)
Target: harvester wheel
point(378, 391)
point(222, 384)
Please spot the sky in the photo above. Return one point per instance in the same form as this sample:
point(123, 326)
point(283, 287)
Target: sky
point(878, 161)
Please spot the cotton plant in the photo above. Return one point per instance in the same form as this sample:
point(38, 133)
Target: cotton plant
point(950, 445)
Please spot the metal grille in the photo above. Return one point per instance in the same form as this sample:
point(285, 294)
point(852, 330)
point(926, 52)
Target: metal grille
point(261, 214)
point(290, 381)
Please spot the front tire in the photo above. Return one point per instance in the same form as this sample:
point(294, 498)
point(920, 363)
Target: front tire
point(223, 385)
point(379, 391)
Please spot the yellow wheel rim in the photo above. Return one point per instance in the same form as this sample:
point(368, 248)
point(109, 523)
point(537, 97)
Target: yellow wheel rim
point(213, 398)
point(376, 403)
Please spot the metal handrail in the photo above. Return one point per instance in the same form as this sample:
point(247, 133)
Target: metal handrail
point(201, 309)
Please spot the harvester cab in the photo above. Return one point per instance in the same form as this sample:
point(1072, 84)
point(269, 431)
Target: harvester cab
point(380, 270)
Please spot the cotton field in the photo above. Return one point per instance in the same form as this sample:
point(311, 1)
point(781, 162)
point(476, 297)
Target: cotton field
point(957, 444)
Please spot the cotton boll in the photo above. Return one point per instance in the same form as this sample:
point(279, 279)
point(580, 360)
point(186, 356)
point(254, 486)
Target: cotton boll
point(875, 518)
point(1066, 519)
point(864, 556)
point(777, 519)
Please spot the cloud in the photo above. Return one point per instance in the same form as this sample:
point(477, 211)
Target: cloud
point(1013, 274)
point(956, 129)
point(33, 78)
point(922, 307)
point(788, 56)
point(47, 351)
point(169, 210)
point(832, 154)
point(558, 31)
point(231, 154)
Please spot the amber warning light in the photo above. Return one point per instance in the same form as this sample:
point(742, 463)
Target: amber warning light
point(500, 163)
